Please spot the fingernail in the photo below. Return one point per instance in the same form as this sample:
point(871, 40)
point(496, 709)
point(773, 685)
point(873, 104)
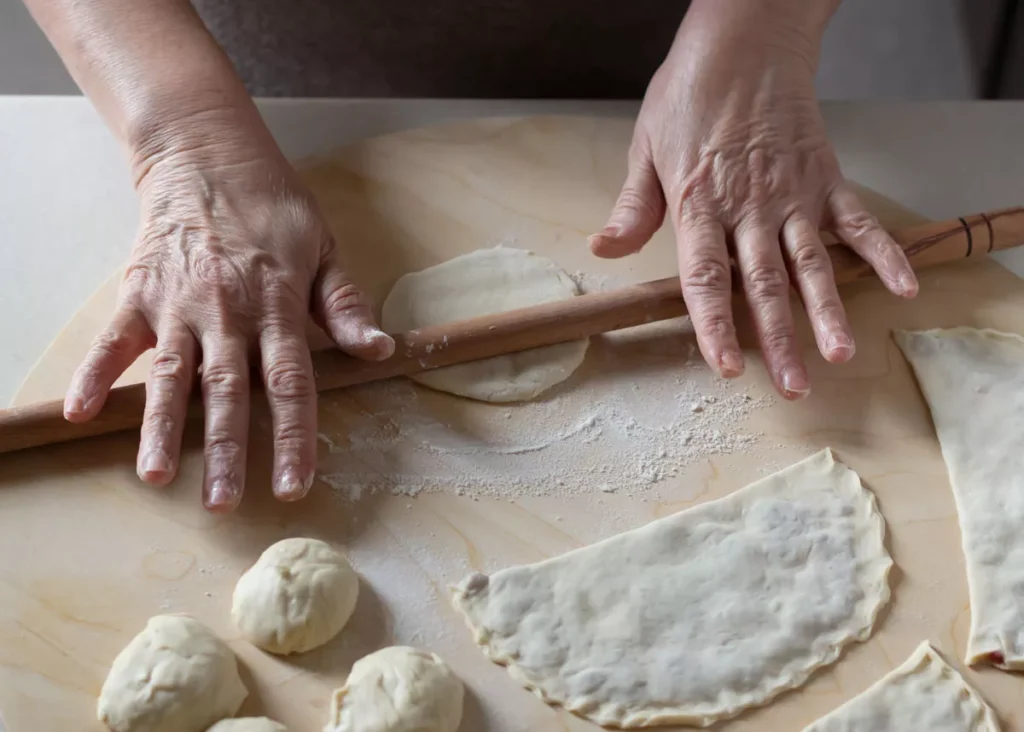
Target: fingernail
point(908, 284)
point(840, 346)
point(290, 487)
point(74, 404)
point(730, 364)
point(380, 342)
point(794, 382)
point(222, 494)
point(612, 229)
point(155, 461)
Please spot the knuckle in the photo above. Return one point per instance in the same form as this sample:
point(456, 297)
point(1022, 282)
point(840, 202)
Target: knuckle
point(809, 258)
point(159, 425)
point(707, 274)
point(290, 436)
point(287, 379)
point(858, 224)
point(282, 295)
point(224, 384)
point(767, 282)
point(715, 325)
point(223, 449)
point(631, 199)
point(114, 342)
point(826, 310)
point(778, 339)
point(169, 367)
point(343, 300)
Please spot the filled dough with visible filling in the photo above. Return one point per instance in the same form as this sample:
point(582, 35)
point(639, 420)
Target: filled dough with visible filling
point(297, 596)
point(174, 676)
point(973, 381)
point(925, 693)
point(485, 282)
point(700, 615)
point(398, 689)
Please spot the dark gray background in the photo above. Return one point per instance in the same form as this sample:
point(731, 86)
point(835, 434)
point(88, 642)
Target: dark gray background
point(896, 49)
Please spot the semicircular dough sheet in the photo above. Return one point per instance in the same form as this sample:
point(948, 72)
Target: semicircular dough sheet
point(697, 616)
point(480, 283)
point(924, 693)
point(973, 381)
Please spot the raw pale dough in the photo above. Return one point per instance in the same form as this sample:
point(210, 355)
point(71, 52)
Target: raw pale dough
point(973, 381)
point(481, 283)
point(298, 595)
point(398, 689)
point(925, 694)
point(698, 616)
point(248, 724)
point(174, 676)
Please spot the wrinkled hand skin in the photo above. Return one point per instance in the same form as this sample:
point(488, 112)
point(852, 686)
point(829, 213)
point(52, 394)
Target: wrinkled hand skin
point(730, 143)
point(231, 256)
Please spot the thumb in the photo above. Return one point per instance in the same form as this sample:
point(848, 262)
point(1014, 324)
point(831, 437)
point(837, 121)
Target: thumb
point(341, 309)
point(638, 212)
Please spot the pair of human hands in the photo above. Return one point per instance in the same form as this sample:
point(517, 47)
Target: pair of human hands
point(233, 255)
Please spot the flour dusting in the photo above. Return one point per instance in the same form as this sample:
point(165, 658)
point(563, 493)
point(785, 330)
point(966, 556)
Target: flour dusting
point(641, 408)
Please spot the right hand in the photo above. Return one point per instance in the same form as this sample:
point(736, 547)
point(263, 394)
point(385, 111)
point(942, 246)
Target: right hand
point(231, 257)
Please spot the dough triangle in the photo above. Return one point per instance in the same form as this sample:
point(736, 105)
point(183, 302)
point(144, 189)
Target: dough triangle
point(925, 693)
point(973, 381)
point(697, 616)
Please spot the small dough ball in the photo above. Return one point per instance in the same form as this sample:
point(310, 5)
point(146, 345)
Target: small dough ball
point(174, 676)
point(398, 689)
point(248, 724)
point(485, 282)
point(298, 595)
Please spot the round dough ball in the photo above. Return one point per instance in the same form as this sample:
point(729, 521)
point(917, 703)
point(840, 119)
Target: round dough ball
point(398, 689)
point(248, 724)
point(174, 676)
point(298, 595)
point(481, 283)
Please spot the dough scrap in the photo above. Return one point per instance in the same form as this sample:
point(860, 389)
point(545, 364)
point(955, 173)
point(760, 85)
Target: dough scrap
point(174, 676)
point(924, 693)
point(248, 724)
point(297, 596)
point(697, 616)
point(398, 689)
point(484, 282)
point(973, 381)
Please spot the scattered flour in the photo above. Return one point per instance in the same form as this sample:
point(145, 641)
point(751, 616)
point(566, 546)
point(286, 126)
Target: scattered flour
point(640, 410)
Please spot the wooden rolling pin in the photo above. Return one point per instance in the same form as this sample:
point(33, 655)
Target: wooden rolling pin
point(519, 330)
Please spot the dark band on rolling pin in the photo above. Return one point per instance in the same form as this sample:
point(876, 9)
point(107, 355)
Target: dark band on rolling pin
point(991, 234)
point(970, 235)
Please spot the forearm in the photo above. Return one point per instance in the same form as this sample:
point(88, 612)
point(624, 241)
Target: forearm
point(149, 67)
point(796, 24)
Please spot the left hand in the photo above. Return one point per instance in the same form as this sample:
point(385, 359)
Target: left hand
point(731, 143)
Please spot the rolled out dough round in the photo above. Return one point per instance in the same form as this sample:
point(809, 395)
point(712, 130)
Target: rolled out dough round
point(480, 283)
point(248, 724)
point(297, 596)
point(174, 676)
point(398, 689)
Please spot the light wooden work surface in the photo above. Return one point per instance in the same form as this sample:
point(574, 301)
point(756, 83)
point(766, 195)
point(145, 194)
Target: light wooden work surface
point(91, 553)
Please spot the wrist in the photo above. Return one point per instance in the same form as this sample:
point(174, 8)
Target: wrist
point(198, 130)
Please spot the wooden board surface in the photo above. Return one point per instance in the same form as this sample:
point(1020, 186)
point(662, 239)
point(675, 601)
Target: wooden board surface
point(90, 553)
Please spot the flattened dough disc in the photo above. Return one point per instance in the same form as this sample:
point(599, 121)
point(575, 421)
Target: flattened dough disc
point(698, 616)
point(481, 283)
point(973, 381)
